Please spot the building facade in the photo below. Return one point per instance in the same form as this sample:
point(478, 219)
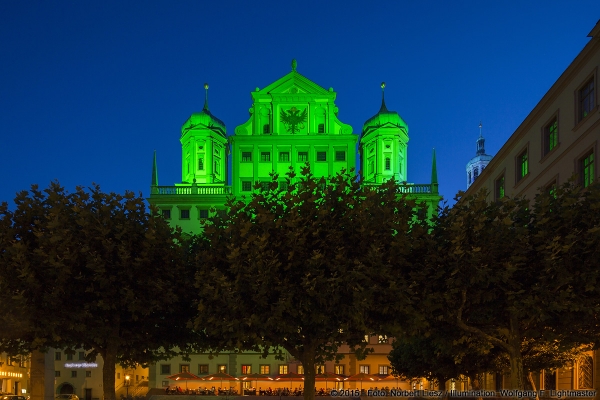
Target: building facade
point(293, 123)
point(14, 374)
point(557, 141)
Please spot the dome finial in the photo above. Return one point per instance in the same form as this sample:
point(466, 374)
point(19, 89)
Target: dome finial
point(480, 128)
point(383, 107)
point(206, 97)
point(294, 64)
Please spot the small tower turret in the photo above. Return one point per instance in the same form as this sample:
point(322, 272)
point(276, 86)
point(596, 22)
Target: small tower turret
point(479, 162)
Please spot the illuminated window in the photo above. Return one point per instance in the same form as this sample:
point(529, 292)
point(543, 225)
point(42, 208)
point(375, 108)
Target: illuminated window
point(522, 165)
point(283, 369)
point(340, 155)
point(550, 136)
point(202, 369)
point(266, 128)
point(185, 214)
point(265, 369)
point(57, 355)
point(300, 370)
point(246, 186)
point(303, 156)
point(339, 369)
point(284, 156)
point(246, 156)
point(246, 369)
point(499, 191)
point(321, 156)
point(366, 339)
point(73, 374)
point(383, 370)
point(200, 163)
point(586, 99)
point(57, 374)
point(363, 369)
point(165, 369)
point(321, 128)
point(184, 368)
point(585, 372)
point(586, 165)
point(203, 214)
point(166, 214)
point(382, 339)
point(388, 164)
point(222, 368)
point(265, 156)
point(88, 374)
point(320, 369)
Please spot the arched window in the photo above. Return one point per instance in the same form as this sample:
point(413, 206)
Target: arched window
point(469, 178)
point(475, 173)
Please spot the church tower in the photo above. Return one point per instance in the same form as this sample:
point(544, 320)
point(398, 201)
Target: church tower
point(383, 146)
point(479, 162)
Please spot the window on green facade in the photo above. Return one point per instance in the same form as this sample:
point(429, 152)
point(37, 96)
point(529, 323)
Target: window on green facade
point(185, 214)
point(283, 185)
point(246, 156)
point(340, 155)
point(388, 164)
point(321, 156)
point(303, 156)
point(200, 164)
point(203, 214)
point(266, 128)
point(321, 128)
point(284, 156)
point(499, 191)
point(265, 156)
point(522, 165)
point(246, 186)
point(587, 169)
point(550, 136)
point(166, 214)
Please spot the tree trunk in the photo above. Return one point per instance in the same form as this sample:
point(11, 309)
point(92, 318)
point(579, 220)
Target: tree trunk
point(308, 362)
point(532, 383)
point(108, 369)
point(514, 354)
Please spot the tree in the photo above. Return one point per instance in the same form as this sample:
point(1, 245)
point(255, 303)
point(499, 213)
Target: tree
point(495, 272)
point(95, 271)
point(307, 268)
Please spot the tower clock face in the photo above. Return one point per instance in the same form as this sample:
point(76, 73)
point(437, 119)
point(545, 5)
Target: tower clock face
point(294, 119)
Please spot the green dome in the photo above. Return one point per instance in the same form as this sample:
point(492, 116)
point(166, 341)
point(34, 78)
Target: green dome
point(384, 118)
point(204, 119)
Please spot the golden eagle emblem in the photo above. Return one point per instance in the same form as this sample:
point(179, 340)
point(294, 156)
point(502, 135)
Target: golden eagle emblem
point(293, 119)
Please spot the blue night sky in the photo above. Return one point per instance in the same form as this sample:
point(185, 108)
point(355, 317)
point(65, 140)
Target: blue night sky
point(88, 90)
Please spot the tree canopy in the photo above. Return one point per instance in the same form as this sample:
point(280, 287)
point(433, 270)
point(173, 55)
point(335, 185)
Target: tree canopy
point(95, 271)
point(306, 268)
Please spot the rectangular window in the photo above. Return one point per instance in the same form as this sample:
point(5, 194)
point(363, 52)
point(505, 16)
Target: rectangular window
point(366, 339)
point(300, 370)
point(303, 156)
point(388, 164)
point(166, 214)
point(340, 155)
point(217, 170)
point(88, 374)
point(246, 156)
point(266, 128)
point(203, 214)
point(586, 165)
point(383, 370)
point(184, 214)
point(222, 368)
point(265, 369)
point(57, 374)
point(246, 369)
point(81, 355)
point(382, 339)
point(283, 185)
point(284, 156)
point(364, 369)
point(69, 356)
point(321, 156)
point(202, 369)
point(550, 136)
point(339, 369)
point(165, 369)
point(57, 355)
point(522, 165)
point(246, 186)
point(586, 99)
point(321, 128)
point(118, 375)
point(265, 156)
point(320, 369)
point(283, 369)
point(264, 185)
point(73, 374)
point(499, 188)
point(200, 164)
point(184, 368)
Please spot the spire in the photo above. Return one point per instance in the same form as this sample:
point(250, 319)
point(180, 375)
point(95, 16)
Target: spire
point(434, 178)
point(154, 171)
point(206, 97)
point(383, 107)
point(480, 142)
point(294, 64)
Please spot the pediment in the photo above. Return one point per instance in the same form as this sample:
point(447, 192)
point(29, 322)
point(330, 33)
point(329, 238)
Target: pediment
point(293, 83)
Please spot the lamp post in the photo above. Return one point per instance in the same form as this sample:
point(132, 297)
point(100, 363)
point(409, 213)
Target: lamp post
point(127, 385)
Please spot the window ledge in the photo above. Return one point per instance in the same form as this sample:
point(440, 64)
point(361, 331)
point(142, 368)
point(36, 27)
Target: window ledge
point(586, 118)
point(517, 184)
point(545, 157)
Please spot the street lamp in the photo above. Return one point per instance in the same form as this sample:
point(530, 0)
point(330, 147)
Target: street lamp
point(127, 385)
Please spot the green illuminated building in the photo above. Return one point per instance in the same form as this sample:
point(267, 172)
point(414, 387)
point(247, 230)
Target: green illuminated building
point(292, 121)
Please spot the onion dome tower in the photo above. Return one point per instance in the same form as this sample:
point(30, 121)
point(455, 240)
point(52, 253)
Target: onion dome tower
point(383, 146)
point(204, 148)
point(479, 162)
